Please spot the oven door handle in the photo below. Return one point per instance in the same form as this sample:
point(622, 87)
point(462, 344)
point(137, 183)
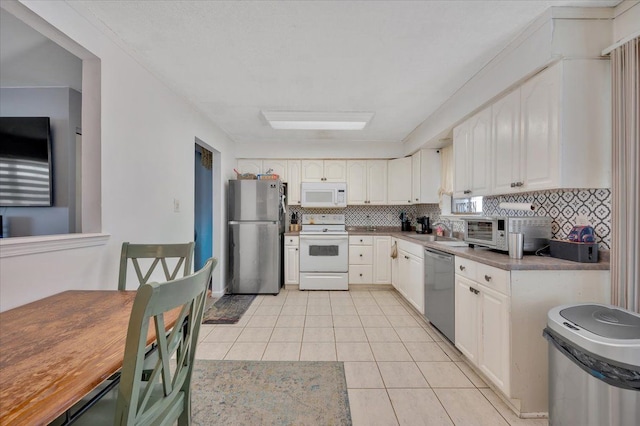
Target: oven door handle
point(323, 238)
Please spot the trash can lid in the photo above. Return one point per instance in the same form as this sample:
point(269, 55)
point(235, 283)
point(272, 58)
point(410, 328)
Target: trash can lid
point(608, 332)
point(604, 321)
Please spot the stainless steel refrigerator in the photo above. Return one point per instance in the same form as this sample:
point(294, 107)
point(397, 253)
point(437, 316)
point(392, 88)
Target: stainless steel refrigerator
point(255, 233)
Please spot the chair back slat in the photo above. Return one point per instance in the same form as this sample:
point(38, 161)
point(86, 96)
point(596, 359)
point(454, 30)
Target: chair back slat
point(149, 400)
point(182, 253)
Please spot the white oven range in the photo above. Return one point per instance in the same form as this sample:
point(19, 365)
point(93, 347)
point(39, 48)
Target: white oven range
point(324, 252)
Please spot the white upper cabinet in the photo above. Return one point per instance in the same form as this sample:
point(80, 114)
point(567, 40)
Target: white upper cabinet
point(278, 167)
point(425, 181)
point(260, 166)
point(377, 182)
point(357, 182)
point(472, 156)
point(366, 182)
point(324, 170)
point(250, 165)
point(552, 132)
point(399, 181)
point(294, 175)
point(507, 165)
point(539, 109)
point(461, 172)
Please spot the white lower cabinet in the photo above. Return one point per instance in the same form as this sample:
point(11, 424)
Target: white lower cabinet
point(382, 260)
point(408, 273)
point(499, 318)
point(482, 319)
point(291, 260)
point(369, 259)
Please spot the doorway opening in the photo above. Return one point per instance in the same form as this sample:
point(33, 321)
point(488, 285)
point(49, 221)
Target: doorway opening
point(203, 208)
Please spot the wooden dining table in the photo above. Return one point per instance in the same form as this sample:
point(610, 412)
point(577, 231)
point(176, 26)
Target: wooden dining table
point(56, 350)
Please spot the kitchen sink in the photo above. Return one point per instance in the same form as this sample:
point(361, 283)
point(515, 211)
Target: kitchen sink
point(433, 237)
point(452, 243)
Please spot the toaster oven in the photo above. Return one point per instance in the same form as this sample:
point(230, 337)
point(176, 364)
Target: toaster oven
point(492, 231)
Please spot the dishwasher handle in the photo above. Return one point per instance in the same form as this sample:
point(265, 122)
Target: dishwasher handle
point(439, 255)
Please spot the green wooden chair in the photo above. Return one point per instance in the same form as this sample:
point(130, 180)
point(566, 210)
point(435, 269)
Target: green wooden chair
point(183, 253)
point(165, 397)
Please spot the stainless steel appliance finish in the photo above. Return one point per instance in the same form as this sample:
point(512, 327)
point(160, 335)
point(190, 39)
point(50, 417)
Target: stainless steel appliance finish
point(255, 232)
point(594, 371)
point(439, 296)
point(492, 231)
point(324, 253)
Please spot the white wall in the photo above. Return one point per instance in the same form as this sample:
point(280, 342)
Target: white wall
point(147, 138)
point(627, 20)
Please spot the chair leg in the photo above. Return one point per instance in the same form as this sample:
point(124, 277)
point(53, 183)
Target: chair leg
point(185, 415)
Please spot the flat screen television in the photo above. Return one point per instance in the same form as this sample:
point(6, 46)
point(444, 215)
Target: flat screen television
point(25, 162)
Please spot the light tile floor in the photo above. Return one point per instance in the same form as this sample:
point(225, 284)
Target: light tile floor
point(399, 370)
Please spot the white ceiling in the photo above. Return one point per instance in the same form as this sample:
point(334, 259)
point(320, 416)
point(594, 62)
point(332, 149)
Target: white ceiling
point(398, 59)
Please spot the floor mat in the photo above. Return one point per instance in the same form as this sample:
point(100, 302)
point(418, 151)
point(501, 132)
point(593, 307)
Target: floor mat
point(228, 309)
point(269, 393)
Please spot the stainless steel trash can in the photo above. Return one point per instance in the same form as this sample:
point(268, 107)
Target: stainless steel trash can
point(594, 365)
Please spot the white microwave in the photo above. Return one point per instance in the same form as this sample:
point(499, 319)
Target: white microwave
point(323, 194)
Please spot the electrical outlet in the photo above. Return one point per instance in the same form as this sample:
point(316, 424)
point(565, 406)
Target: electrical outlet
point(176, 205)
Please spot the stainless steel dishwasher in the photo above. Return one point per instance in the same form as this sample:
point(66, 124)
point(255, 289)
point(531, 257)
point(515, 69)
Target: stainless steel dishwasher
point(439, 285)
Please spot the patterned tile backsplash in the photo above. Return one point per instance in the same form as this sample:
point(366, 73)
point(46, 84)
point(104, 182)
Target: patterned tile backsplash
point(563, 206)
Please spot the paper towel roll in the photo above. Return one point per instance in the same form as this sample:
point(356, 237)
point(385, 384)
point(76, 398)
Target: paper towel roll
point(517, 206)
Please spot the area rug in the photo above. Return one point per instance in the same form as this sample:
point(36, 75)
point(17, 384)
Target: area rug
point(269, 393)
point(228, 309)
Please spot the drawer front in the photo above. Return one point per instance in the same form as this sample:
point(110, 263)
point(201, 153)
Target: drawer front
point(360, 274)
point(360, 255)
point(412, 248)
point(291, 241)
point(494, 278)
point(466, 267)
point(361, 240)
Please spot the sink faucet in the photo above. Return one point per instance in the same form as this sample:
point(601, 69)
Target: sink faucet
point(447, 226)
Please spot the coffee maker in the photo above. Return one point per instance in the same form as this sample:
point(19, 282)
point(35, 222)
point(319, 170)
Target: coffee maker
point(424, 225)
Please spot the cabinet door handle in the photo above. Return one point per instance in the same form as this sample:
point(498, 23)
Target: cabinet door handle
point(466, 191)
point(408, 201)
point(487, 278)
point(360, 274)
point(513, 184)
point(296, 249)
point(406, 257)
point(473, 290)
point(360, 240)
point(462, 268)
point(360, 254)
point(476, 291)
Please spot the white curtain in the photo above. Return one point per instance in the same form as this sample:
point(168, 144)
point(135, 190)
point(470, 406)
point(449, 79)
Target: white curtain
point(446, 175)
point(625, 251)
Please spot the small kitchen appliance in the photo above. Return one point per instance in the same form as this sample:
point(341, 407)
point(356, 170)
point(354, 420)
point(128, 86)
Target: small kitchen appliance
point(324, 252)
point(424, 225)
point(492, 231)
point(323, 194)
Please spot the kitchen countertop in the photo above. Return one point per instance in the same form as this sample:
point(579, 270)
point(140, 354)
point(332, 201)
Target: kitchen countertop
point(489, 257)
